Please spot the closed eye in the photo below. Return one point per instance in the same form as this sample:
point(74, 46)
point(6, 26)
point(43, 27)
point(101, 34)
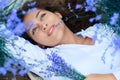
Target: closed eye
point(34, 30)
point(42, 16)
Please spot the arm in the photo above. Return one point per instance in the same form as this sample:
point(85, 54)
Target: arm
point(34, 57)
point(100, 77)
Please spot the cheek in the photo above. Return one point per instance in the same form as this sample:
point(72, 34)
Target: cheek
point(52, 19)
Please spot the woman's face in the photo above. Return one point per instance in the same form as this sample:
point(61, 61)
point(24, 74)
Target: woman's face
point(47, 28)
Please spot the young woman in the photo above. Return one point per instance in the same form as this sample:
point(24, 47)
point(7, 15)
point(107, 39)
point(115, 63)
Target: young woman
point(91, 52)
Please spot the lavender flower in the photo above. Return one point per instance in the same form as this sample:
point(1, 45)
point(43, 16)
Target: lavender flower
point(12, 19)
point(32, 10)
point(78, 6)
point(114, 18)
point(32, 4)
point(19, 29)
point(14, 24)
point(97, 18)
point(69, 7)
point(14, 66)
point(3, 4)
point(91, 20)
point(60, 68)
point(90, 5)
point(22, 72)
point(3, 71)
point(90, 2)
point(24, 12)
point(117, 42)
point(6, 33)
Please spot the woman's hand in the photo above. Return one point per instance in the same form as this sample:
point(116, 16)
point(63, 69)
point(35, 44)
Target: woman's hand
point(100, 77)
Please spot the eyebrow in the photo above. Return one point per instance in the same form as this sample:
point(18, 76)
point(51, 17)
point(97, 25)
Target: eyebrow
point(37, 14)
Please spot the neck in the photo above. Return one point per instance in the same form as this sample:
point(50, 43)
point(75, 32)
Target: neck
point(71, 38)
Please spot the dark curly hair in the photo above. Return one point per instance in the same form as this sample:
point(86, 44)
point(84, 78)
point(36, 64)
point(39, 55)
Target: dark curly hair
point(69, 17)
point(51, 5)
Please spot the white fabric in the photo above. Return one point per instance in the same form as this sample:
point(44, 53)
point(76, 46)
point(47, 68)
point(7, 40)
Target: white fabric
point(101, 58)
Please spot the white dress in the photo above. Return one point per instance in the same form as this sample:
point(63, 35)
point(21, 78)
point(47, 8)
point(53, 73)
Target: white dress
point(103, 57)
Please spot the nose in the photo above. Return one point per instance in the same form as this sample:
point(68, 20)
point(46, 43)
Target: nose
point(44, 27)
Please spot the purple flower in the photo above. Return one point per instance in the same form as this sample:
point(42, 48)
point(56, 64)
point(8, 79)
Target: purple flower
point(19, 29)
point(23, 12)
point(12, 20)
point(91, 19)
point(117, 42)
point(114, 18)
point(90, 5)
point(90, 2)
point(6, 33)
point(14, 66)
point(32, 10)
point(78, 6)
point(61, 68)
point(93, 9)
point(9, 63)
point(14, 24)
point(23, 72)
point(69, 7)
point(32, 4)
point(3, 4)
point(98, 17)
point(9, 66)
point(13, 70)
point(3, 71)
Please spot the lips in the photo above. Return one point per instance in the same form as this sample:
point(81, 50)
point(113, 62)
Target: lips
point(50, 30)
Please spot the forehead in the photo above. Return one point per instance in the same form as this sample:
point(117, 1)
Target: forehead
point(30, 17)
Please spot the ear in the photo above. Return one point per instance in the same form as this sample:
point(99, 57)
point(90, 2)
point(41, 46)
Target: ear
point(58, 14)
